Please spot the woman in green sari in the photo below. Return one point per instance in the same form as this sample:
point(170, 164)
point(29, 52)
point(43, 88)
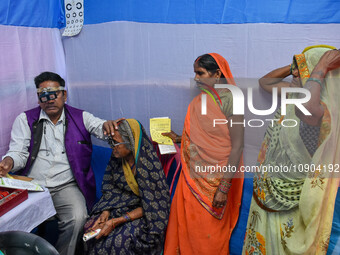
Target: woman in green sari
point(291, 212)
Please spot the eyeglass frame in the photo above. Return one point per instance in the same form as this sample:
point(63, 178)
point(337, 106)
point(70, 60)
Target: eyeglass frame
point(113, 144)
point(48, 95)
point(49, 91)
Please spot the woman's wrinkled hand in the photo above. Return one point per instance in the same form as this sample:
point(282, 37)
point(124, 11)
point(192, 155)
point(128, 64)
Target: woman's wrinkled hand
point(108, 227)
point(101, 220)
point(220, 199)
point(173, 136)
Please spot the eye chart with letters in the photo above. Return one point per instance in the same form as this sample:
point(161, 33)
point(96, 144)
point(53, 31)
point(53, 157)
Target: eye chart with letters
point(74, 12)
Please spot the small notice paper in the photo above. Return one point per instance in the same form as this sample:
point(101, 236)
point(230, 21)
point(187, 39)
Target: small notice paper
point(18, 184)
point(157, 127)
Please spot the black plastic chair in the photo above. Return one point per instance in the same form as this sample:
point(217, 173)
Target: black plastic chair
point(23, 243)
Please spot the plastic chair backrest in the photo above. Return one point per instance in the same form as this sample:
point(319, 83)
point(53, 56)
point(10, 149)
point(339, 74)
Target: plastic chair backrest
point(23, 243)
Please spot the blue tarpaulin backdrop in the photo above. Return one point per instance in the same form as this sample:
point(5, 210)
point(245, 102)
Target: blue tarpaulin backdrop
point(37, 13)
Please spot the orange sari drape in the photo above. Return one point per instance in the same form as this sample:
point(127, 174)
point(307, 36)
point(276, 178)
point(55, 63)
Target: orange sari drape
point(195, 226)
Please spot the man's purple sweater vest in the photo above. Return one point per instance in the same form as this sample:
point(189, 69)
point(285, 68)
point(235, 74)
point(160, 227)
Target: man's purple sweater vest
point(78, 149)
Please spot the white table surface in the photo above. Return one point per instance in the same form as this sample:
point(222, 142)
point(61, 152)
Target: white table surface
point(30, 213)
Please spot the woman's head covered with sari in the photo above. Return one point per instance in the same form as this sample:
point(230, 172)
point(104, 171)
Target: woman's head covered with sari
point(129, 131)
point(307, 60)
point(213, 62)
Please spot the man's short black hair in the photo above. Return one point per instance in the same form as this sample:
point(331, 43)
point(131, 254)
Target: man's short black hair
point(48, 76)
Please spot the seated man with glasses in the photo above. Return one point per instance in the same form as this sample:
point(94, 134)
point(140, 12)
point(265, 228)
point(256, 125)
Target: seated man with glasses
point(52, 144)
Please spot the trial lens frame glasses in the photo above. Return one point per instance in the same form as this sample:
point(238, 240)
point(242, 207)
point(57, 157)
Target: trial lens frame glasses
point(113, 144)
point(49, 93)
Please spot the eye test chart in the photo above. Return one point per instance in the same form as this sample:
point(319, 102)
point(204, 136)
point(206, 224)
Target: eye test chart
point(74, 13)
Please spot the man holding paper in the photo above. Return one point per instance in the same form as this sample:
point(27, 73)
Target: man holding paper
point(52, 144)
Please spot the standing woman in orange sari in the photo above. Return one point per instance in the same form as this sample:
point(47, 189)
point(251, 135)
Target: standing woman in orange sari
point(206, 203)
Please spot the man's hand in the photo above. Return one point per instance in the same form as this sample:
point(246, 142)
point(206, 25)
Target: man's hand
point(110, 126)
point(6, 165)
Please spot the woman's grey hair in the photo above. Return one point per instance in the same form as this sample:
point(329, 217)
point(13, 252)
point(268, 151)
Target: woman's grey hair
point(127, 135)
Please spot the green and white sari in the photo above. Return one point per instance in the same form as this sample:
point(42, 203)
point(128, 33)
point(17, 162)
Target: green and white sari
point(291, 211)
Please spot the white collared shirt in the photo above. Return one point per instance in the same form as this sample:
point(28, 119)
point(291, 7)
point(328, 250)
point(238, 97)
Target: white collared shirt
point(51, 167)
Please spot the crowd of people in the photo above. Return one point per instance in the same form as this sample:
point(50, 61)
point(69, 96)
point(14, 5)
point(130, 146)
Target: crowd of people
point(290, 212)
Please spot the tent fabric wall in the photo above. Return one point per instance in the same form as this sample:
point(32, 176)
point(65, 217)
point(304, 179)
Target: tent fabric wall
point(25, 52)
point(144, 70)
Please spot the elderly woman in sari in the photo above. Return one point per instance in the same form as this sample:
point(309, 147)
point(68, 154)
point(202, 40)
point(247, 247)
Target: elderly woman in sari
point(291, 212)
point(206, 203)
point(133, 210)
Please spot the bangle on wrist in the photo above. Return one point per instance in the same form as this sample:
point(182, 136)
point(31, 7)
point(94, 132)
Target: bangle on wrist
point(290, 69)
point(315, 80)
point(222, 190)
point(127, 217)
point(224, 186)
